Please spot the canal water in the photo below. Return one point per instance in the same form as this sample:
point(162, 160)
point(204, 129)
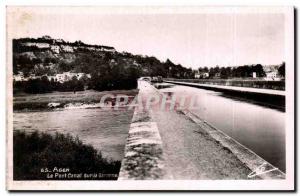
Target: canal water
point(106, 130)
point(257, 127)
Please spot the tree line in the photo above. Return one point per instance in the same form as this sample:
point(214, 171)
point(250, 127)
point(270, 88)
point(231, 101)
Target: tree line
point(244, 71)
point(43, 85)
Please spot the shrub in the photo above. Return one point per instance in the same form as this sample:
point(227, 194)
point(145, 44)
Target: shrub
point(35, 151)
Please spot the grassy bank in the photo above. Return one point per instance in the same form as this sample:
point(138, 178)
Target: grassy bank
point(252, 83)
point(37, 156)
point(40, 101)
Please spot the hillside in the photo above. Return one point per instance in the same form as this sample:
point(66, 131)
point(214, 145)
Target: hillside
point(108, 68)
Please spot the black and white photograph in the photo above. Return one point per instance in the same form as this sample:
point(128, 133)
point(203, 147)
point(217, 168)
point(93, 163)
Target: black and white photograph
point(150, 98)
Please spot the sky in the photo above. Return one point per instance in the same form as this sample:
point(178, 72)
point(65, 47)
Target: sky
point(192, 40)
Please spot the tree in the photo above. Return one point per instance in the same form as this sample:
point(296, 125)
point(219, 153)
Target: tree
point(259, 70)
point(281, 70)
point(225, 72)
point(213, 71)
point(205, 69)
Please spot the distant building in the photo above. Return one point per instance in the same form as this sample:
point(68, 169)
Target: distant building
point(91, 48)
point(254, 74)
point(197, 76)
point(271, 72)
point(67, 48)
point(55, 48)
point(50, 78)
point(61, 77)
point(79, 75)
point(66, 76)
point(102, 49)
point(58, 41)
point(38, 45)
point(19, 77)
point(109, 50)
point(205, 75)
point(47, 37)
point(202, 75)
point(272, 75)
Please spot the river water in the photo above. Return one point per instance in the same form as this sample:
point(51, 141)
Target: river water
point(257, 127)
point(106, 130)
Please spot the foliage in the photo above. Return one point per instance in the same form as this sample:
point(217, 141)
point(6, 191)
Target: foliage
point(34, 151)
point(235, 72)
point(281, 70)
point(43, 85)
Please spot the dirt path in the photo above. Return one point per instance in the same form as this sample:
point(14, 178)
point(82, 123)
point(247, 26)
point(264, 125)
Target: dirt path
point(190, 153)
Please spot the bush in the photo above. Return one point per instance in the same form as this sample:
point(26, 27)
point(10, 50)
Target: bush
point(43, 85)
point(35, 151)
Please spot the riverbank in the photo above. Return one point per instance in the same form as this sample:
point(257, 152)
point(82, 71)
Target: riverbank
point(49, 101)
point(249, 83)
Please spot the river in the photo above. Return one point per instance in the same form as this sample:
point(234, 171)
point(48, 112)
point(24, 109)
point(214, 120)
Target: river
point(106, 130)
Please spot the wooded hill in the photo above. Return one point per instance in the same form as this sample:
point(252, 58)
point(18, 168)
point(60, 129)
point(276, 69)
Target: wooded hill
point(109, 69)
